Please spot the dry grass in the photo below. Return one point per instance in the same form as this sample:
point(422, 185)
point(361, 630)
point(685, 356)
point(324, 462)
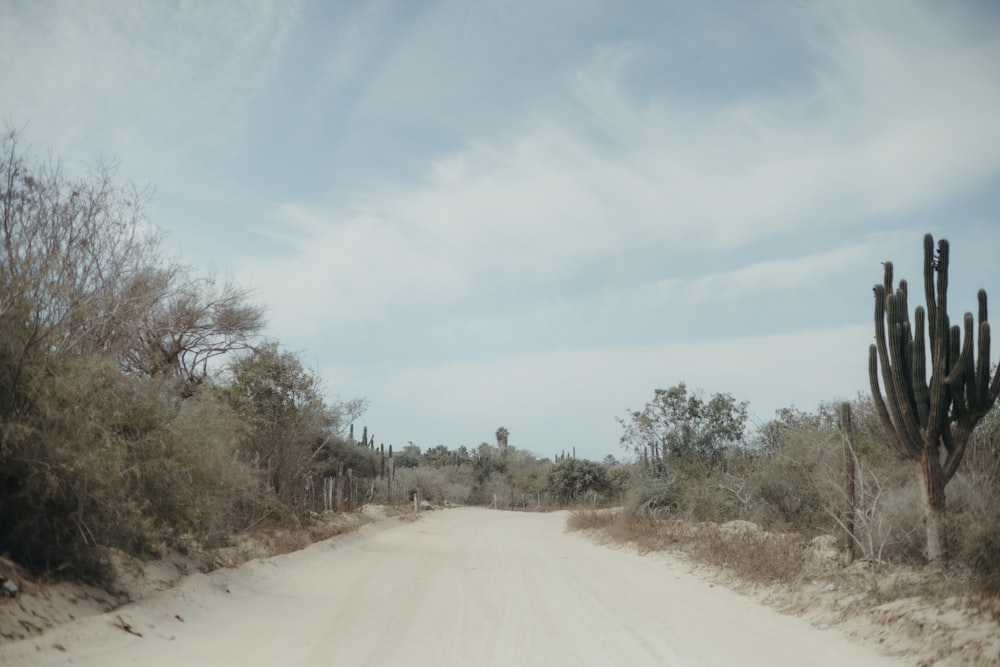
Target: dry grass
point(748, 551)
point(752, 554)
point(739, 546)
point(646, 532)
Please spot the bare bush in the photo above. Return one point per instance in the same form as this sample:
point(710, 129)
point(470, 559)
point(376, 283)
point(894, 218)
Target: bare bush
point(887, 521)
point(654, 496)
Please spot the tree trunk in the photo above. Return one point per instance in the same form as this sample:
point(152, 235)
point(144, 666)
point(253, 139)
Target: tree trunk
point(934, 508)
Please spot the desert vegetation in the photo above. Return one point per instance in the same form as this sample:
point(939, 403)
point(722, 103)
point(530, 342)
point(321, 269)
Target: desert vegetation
point(844, 470)
point(142, 409)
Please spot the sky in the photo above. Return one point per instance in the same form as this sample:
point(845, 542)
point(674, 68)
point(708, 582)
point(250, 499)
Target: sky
point(532, 214)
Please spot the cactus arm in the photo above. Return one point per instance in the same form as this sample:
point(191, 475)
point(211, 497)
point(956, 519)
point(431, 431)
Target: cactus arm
point(983, 368)
point(929, 268)
point(939, 335)
point(906, 439)
point(899, 443)
point(898, 385)
point(920, 391)
point(961, 379)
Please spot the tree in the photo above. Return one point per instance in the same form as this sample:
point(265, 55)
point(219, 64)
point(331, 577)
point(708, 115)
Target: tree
point(93, 453)
point(502, 435)
point(930, 424)
point(186, 322)
point(439, 456)
point(570, 479)
point(69, 251)
point(409, 457)
point(288, 423)
point(787, 421)
point(81, 273)
point(684, 427)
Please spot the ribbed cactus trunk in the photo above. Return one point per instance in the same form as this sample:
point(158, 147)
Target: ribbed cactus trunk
point(930, 424)
point(932, 476)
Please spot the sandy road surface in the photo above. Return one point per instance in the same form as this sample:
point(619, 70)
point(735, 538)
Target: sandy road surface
point(459, 587)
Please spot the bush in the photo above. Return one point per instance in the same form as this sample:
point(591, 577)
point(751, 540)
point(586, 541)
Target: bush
point(975, 526)
point(577, 480)
point(653, 497)
point(108, 460)
point(980, 551)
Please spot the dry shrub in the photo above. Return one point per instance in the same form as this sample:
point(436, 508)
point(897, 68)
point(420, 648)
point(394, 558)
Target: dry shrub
point(119, 462)
point(623, 527)
point(900, 536)
point(975, 525)
point(750, 552)
point(428, 481)
point(713, 498)
point(590, 519)
point(980, 550)
point(654, 497)
point(740, 546)
point(787, 488)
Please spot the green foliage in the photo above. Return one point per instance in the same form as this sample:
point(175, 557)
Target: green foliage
point(289, 429)
point(409, 457)
point(439, 457)
point(679, 426)
point(337, 451)
point(503, 435)
point(570, 480)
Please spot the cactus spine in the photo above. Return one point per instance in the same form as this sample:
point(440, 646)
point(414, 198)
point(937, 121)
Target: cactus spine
point(930, 424)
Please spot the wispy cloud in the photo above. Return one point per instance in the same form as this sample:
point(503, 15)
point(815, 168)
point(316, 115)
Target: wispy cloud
point(864, 137)
point(552, 208)
point(193, 72)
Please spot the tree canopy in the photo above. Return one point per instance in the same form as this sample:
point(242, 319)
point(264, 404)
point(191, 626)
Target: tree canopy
point(681, 425)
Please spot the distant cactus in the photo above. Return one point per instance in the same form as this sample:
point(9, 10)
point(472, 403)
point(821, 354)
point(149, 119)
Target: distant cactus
point(930, 424)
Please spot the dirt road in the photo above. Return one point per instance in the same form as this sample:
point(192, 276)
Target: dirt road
point(458, 587)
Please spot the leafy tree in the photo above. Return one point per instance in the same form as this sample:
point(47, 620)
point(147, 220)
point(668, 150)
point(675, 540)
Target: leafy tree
point(288, 423)
point(409, 457)
point(571, 479)
point(684, 427)
point(463, 456)
point(439, 456)
point(771, 435)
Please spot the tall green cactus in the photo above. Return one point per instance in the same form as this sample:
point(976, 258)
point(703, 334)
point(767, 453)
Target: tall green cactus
point(930, 423)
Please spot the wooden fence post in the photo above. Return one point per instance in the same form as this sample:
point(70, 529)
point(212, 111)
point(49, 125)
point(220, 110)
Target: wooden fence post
point(327, 493)
point(351, 495)
point(850, 481)
point(390, 477)
point(340, 487)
